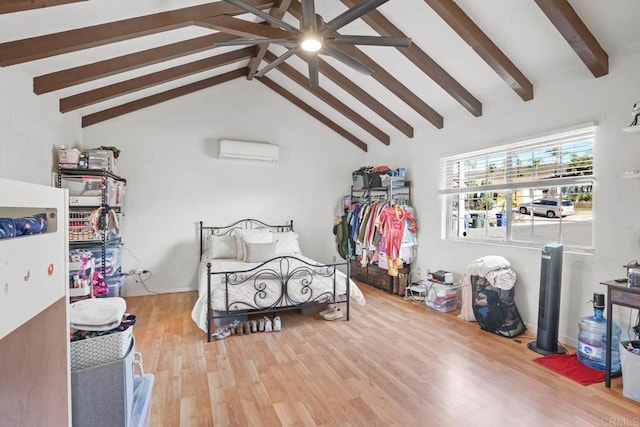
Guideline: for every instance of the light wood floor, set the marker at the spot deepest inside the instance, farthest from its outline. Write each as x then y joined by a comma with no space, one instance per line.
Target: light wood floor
394,363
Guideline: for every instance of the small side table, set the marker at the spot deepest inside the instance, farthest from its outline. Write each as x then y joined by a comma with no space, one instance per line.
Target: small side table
618,294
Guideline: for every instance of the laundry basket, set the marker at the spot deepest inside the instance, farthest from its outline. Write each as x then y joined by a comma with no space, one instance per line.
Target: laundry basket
630,369
98,350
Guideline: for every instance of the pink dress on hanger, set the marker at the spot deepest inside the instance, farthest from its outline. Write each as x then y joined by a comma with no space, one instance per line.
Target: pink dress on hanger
391,225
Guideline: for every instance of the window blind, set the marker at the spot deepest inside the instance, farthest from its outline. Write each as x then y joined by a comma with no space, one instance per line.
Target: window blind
563,158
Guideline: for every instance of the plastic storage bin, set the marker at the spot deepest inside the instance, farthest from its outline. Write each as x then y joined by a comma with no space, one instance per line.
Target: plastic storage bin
630,370
68,157
141,411
86,190
441,297
115,284
101,159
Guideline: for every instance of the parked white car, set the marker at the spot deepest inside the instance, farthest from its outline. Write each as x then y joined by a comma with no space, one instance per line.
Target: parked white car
550,208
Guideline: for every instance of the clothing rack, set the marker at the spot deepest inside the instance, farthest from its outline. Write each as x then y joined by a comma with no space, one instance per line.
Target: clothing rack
365,239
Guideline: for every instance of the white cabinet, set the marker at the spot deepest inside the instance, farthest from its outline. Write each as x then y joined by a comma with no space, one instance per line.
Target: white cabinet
33,268
34,330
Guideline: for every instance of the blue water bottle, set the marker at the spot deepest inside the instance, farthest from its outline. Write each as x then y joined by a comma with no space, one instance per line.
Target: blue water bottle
592,339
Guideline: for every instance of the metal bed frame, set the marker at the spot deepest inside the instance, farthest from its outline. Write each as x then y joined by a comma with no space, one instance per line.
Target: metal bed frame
287,271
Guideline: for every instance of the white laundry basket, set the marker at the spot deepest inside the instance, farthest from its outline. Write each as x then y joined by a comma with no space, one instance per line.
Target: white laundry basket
96,351
630,370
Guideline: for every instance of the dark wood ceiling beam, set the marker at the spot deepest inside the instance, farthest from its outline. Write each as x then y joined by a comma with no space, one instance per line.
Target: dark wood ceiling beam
330,100
424,62
86,73
462,24
104,93
574,31
276,12
39,47
158,98
384,78
357,92
242,28
313,112
22,5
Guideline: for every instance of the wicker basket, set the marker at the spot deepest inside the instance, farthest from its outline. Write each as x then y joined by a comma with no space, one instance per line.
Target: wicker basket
96,351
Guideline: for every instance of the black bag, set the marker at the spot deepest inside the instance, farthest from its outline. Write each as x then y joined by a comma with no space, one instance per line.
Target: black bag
495,309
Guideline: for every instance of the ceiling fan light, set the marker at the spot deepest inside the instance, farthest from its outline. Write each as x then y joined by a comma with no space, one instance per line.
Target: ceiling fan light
311,43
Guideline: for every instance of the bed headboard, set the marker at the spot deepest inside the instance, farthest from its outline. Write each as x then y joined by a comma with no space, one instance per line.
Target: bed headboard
243,224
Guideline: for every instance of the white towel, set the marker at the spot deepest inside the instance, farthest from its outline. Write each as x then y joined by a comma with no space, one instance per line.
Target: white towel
504,278
97,314
467,301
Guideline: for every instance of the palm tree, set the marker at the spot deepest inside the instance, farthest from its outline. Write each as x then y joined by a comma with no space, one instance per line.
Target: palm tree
580,165
556,152
536,166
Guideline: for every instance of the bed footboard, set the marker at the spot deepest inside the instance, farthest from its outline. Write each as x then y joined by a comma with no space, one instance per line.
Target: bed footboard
281,283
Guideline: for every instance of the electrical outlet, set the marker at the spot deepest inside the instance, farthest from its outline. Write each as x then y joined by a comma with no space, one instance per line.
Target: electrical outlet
419,271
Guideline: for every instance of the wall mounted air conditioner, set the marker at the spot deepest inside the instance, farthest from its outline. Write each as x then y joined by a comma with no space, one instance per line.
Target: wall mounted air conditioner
243,150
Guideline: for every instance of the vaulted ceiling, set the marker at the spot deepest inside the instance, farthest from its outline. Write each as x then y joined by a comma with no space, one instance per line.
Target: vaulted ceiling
108,58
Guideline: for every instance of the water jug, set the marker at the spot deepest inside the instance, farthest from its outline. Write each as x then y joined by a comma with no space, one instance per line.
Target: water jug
592,339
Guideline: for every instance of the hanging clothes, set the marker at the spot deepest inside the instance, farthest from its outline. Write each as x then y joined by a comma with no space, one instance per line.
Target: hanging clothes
341,231
392,223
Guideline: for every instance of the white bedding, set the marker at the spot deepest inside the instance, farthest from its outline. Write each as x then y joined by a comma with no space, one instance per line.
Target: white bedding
247,292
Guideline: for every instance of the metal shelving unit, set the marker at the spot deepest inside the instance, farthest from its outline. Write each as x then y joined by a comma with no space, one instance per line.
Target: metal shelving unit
397,191
81,231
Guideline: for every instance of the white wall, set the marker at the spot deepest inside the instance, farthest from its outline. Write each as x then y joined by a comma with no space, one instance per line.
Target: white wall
175,180
30,128
566,98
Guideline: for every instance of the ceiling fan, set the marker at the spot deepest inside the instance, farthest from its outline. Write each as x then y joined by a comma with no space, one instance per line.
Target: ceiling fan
316,37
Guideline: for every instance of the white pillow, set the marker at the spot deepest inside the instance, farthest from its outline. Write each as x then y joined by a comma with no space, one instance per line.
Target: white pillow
287,242
220,247
259,252
251,236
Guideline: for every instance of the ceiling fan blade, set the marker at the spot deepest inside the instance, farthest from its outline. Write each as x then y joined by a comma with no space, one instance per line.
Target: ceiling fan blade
242,42
314,79
309,16
346,59
241,28
351,15
275,21
279,60
372,40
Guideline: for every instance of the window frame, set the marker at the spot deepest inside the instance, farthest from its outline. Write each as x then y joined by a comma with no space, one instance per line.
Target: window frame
454,191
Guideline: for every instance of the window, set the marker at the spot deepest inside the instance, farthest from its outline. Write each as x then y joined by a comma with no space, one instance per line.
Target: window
527,193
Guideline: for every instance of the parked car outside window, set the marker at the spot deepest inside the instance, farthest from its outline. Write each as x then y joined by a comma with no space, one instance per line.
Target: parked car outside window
550,208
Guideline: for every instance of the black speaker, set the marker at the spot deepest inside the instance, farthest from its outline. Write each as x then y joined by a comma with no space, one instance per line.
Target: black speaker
549,301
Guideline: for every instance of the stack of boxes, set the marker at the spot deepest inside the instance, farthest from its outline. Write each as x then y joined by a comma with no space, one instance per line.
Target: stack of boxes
97,159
